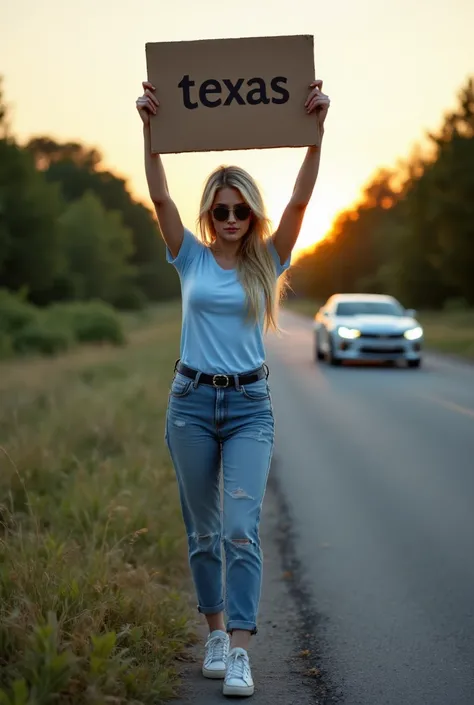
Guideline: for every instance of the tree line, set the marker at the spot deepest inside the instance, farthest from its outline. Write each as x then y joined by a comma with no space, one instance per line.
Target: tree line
411,234
70,230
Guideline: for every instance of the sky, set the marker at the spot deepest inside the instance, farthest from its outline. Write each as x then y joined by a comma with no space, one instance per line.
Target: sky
73,71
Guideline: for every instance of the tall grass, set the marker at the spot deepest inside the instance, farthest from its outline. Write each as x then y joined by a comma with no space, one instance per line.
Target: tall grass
93,568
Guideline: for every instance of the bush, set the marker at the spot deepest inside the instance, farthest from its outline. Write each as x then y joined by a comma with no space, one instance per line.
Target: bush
37,337
6,346
93,322
15,313
24,328
130,299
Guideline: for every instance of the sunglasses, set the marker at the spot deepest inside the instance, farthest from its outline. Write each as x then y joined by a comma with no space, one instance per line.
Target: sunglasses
241,212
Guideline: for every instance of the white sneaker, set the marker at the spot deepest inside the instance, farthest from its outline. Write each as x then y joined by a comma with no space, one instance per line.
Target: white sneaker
238,676
216,652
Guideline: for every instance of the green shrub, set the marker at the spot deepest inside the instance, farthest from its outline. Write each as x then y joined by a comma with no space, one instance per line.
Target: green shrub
6,345
130,299
25,329
38,338
15,313
91,322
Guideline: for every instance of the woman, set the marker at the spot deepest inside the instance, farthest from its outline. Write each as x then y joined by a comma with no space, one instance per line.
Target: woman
219,409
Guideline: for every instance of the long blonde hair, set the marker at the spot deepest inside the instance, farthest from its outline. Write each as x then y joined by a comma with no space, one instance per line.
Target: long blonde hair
255,265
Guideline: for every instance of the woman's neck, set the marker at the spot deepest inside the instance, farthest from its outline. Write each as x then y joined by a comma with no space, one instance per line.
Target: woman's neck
227,251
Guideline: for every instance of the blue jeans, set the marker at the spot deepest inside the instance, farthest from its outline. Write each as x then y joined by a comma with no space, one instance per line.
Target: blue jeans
208,428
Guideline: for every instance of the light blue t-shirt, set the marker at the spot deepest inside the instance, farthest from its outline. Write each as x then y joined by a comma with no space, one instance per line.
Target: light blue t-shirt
216,335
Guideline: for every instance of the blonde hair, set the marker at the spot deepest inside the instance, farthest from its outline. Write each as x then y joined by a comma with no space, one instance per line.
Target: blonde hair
255,265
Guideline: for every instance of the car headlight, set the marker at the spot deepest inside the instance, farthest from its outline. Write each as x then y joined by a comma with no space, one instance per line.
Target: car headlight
348,333
414,333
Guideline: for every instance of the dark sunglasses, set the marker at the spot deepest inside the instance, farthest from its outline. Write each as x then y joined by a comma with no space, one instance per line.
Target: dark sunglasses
241,212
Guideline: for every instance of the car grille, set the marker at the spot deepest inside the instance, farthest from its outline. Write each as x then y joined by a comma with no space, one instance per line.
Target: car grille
377,351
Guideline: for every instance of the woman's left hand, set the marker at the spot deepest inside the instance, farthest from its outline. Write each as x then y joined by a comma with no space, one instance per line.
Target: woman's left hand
318,101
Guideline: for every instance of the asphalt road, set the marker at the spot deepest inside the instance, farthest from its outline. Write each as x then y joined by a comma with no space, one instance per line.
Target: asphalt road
368,536
376,466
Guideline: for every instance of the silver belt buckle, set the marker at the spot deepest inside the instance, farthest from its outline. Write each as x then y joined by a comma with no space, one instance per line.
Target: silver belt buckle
220,386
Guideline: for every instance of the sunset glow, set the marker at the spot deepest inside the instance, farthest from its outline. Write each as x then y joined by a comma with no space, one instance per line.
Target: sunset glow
385,93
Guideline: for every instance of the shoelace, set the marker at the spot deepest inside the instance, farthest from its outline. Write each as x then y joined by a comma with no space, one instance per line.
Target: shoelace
238,667
216,648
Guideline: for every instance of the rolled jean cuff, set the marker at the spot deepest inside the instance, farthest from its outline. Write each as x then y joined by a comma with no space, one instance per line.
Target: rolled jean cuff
212,610
246,626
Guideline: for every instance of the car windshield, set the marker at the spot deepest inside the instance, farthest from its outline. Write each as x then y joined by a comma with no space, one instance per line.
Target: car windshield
369,308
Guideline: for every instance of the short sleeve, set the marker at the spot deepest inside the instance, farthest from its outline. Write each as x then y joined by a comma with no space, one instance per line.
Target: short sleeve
190,248
280,268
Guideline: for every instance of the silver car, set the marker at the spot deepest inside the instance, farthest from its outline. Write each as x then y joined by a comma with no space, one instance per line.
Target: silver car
367,327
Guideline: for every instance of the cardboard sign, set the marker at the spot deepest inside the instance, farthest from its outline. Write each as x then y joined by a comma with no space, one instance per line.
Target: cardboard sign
225,94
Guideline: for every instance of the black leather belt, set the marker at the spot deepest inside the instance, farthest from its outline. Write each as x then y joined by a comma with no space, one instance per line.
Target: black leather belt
222,381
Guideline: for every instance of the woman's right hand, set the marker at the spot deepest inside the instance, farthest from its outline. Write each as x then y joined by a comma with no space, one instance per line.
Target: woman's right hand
147,104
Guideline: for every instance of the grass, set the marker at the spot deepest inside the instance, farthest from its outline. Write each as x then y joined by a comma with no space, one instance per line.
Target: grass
94,601
449,332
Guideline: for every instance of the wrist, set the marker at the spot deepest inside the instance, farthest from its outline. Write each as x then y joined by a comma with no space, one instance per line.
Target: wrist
147,137
317,147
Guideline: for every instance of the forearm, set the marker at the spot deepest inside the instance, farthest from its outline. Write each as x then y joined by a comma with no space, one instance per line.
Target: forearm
306,178
154,170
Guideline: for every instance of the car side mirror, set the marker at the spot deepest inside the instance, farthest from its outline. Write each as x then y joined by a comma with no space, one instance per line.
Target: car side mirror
410,312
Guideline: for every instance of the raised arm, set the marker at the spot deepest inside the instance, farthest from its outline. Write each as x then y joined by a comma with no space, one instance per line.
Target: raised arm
168,216
286,235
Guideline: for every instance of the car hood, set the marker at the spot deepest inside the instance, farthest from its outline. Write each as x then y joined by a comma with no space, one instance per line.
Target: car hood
377,323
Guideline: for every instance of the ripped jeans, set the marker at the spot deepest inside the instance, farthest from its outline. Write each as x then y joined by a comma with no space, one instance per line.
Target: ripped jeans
208,428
